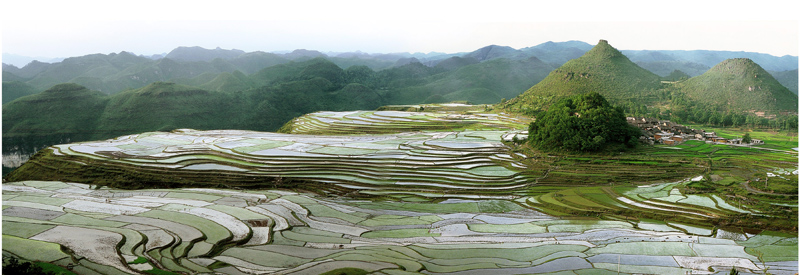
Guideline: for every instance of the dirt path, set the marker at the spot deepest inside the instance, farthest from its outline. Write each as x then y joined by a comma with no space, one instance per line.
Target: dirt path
756,191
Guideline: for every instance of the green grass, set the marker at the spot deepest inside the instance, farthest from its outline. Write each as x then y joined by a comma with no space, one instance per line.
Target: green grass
139,260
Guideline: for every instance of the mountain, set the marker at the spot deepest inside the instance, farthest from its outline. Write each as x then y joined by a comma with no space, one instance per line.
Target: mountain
29,71
490,81
787,78
664,68
201,54
197,66
603,69
455,62
711,58
252,62
558,53
16,89
166,106
303,53
676,75
739,84
405,61
60,114
89,69
21,61
492,52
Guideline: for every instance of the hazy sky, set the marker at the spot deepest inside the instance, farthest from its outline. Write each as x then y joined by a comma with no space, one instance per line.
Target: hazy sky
74,28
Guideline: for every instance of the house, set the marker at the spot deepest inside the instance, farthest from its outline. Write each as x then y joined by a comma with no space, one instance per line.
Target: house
719,139
662,134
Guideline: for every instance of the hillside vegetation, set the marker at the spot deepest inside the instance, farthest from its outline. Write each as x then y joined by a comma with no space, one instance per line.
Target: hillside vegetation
739,84
603,69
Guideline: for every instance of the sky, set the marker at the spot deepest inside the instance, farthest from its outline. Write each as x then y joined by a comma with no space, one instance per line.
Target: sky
80,27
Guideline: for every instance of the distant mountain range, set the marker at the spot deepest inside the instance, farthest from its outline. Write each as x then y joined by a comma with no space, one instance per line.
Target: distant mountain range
116,72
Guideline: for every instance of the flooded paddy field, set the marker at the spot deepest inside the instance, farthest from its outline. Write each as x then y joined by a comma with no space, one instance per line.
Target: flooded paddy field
191,230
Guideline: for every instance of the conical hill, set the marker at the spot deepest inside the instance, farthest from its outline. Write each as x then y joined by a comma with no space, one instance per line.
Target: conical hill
603,69
739,84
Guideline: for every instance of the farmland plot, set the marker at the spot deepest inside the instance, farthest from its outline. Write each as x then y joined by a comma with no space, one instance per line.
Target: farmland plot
327,234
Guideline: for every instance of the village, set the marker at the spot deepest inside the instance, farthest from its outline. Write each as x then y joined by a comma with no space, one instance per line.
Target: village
656,131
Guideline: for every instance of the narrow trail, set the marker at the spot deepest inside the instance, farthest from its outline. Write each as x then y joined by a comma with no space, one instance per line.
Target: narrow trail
756,191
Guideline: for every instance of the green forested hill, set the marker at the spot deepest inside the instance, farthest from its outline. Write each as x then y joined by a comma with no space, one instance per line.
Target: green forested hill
166,106
741,85
487,82
603,69
62,113
16,89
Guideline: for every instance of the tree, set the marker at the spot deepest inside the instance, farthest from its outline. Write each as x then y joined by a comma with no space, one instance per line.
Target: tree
585,122
746,138
15,267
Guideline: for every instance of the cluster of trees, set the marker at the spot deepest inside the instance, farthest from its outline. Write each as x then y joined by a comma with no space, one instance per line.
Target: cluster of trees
584,122
685,111
12,265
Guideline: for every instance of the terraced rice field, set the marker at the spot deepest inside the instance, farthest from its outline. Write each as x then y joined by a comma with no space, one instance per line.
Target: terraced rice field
394,192
284,232
381,122
417,160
